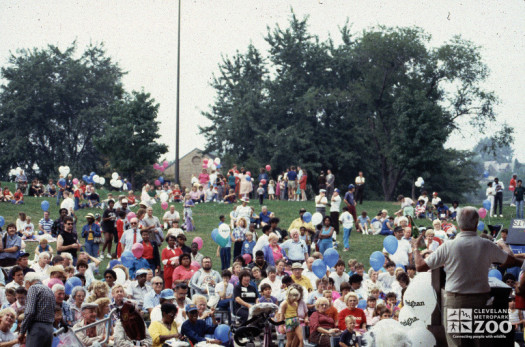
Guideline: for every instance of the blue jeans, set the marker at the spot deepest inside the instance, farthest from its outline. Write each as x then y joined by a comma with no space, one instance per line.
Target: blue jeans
226,255
325,244
519,209
346,237
92,248
59,196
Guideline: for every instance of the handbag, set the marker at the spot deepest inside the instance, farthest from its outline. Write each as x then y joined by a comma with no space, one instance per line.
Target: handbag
98,240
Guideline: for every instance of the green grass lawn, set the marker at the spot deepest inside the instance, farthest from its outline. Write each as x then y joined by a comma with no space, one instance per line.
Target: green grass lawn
206,217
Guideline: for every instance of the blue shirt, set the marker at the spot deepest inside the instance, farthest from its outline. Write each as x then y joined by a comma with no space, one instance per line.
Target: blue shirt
295,250
364,220
265,217
384,228
151,300
11,241
247,247
95,228
138,264
350,198
292,175
195,332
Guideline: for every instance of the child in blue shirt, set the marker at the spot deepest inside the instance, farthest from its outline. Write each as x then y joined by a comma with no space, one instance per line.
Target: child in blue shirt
248,244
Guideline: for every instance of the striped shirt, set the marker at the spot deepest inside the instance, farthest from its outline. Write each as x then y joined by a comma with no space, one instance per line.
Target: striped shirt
40,306
46,224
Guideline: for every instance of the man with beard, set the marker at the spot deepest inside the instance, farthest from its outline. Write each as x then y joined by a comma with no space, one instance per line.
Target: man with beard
205,278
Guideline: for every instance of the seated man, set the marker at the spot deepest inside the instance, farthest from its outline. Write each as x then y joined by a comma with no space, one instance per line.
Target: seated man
139,289
93,198
195,329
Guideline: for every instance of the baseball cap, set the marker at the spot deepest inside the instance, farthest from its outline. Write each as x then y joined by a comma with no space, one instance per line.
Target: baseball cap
124,201
190,308
350,186
336,190
167,294
141,272
23,254
322,190
88,305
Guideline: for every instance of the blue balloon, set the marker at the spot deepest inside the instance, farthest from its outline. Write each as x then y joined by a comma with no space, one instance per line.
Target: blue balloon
486,204
44,205
74,282
161,179
2,221
218,166
495,273
127,259
85,178
401,266
92,174
307,217
222,241
486,174
248,178
319,268
113,262
377,260
481,226
222,333
362,304
331,257
390,244
62,182
214,234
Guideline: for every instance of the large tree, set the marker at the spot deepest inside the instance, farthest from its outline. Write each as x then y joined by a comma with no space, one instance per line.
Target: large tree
52,106
383,101
129,139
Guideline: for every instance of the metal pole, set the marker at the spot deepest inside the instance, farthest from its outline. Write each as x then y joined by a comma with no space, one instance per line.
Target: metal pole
177,181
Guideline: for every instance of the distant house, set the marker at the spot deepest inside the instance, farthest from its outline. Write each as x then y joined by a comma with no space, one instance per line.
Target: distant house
190,164
493,167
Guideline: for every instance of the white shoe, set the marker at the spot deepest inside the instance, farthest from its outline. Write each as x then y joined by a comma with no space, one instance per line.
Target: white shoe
501,216
108,256
101,257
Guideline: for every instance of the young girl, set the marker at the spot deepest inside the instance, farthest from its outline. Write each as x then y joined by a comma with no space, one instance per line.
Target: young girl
188,215
248,244
20,223
43,247
28,232
271,190
370,311
288,310
238,237
364,222
176,194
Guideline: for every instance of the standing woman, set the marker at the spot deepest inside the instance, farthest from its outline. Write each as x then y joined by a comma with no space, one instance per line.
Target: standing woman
302,185
238,237
169,255
325,237
246,186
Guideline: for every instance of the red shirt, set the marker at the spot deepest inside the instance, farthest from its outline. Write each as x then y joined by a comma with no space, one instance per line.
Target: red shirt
19,196
512,184
359,315
76,194
148,250
131,199
181,273
176,194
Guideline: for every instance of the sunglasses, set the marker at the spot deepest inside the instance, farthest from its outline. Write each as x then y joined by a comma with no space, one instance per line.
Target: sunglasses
157,284
68,223
133,223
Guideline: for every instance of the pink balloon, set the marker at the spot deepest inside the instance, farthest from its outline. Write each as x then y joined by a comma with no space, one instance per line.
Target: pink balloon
164,205
263,181
482,213
54,281
249,173
75,181
157,183
196,264
156,166
268,168
137,249
130,216
205,161
198,241
165,164
247,258
204,166
161,169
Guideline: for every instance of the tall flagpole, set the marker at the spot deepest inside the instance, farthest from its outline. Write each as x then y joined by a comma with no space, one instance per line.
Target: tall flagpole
177,181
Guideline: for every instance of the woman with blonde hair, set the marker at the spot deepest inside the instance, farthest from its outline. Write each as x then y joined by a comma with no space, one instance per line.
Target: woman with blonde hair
99,290
202,308
438,231
7,318
273,252
429,240
103,307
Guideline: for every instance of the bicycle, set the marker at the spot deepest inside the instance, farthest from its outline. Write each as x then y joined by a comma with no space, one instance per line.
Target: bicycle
259,322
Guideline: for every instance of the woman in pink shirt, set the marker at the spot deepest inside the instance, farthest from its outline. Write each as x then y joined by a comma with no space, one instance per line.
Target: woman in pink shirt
184,271
204,177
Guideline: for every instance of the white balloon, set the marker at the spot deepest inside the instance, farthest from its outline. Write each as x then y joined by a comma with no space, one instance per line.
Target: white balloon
224,230
317,218
420,179
101,181
114,175
421,297
210,163
121,276
417,184
96,178
420,336
118,183
407,317
164,197
217,161
387,332
65,170
213,167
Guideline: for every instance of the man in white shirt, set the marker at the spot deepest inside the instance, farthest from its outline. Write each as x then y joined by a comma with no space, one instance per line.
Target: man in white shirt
308,273
262,240
387,278
403,254
339,276
359,188
320,202
404,201
170,217
68,203
131,236
347,220
274,282
138,289
334,209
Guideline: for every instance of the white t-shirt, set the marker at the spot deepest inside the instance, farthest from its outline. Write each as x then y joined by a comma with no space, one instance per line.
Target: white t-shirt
244,212
347,219
220,287
320,201
68,204
402,252
424,198
336,204
407,202
436,200
339,279
386,281
175,215
261,242
359,180
490,192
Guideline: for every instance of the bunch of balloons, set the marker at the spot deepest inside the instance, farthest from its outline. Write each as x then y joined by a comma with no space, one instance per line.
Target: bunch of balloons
162,167
420,182
115,182
211,164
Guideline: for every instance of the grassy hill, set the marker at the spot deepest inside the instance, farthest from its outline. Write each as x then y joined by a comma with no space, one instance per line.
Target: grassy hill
206,217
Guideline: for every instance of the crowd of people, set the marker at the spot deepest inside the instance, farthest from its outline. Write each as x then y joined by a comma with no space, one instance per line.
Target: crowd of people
170,289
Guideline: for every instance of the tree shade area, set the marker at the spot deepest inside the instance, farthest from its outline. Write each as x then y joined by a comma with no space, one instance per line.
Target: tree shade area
382,101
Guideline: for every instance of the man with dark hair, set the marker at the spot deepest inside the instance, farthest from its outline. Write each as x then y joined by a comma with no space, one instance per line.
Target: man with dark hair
283,234
339,276
259,263
205,278
67,240
355,282
17,274
11,244
58,224
498,199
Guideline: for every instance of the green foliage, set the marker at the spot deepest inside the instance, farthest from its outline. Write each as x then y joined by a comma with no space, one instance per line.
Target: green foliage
490,149
382,102
128,140
53,105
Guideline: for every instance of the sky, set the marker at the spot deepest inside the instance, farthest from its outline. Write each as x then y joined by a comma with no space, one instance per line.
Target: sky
142,37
